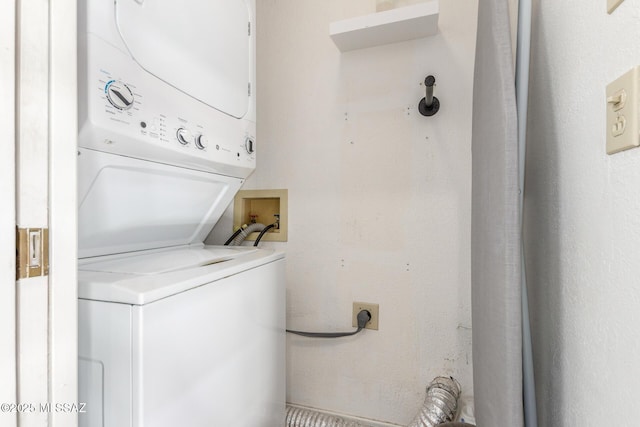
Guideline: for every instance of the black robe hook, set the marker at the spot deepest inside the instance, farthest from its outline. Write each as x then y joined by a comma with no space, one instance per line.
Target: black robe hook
429,105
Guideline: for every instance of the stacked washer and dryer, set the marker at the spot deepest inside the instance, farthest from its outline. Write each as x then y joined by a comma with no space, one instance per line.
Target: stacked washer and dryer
172,332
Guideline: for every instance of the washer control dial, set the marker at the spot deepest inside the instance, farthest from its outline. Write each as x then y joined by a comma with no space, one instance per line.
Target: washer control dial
184,136
250,145
119,95
201,142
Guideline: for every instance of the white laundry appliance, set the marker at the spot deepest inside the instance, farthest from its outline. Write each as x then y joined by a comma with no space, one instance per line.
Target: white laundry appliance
172,332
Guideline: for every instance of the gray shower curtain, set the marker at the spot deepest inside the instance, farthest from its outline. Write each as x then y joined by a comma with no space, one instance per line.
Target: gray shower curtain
495,226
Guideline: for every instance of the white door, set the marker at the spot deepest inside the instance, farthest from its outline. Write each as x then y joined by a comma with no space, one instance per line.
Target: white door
31,145
63,224
38,312
7,213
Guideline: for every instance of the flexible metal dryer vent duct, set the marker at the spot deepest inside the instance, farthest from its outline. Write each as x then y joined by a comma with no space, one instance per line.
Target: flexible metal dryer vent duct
440,406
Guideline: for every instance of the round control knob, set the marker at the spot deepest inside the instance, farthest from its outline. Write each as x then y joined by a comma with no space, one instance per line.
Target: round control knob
184,136
119,95
201,142
250,145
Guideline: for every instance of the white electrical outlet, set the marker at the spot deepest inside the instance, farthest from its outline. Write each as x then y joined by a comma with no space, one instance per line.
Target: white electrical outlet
622,112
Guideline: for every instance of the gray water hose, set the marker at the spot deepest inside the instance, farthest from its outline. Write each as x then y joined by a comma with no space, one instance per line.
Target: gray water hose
440,406
251,228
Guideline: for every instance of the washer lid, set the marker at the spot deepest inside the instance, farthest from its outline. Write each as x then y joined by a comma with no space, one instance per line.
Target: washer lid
202,48
141,279
151,262
127,204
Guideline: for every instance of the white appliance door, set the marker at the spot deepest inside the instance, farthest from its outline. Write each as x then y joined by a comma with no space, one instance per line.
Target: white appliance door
213,356
200,47
127,204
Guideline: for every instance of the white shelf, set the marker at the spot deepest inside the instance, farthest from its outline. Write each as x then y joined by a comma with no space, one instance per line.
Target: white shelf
391,26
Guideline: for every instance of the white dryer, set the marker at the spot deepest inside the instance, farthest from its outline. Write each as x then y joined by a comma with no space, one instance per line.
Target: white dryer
171,332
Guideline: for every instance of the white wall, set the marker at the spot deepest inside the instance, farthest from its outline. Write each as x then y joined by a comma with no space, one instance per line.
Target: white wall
379,202
582,222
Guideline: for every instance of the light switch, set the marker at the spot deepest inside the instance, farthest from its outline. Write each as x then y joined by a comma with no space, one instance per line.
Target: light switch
622,112
612,5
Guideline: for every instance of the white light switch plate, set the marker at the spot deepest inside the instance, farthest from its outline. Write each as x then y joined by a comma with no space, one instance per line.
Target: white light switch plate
612,5
622,112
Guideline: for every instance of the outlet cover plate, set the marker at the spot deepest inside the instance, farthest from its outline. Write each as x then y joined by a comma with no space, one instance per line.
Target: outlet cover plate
622,117
612,5
374,309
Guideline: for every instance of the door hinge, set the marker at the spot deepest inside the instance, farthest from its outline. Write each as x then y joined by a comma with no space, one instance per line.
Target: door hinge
249,89
249,28
32,252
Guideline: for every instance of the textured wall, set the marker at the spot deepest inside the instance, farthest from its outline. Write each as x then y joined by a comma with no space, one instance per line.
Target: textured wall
582,222
379,202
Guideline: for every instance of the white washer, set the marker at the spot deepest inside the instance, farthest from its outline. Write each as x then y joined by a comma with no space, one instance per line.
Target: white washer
183,337
172,332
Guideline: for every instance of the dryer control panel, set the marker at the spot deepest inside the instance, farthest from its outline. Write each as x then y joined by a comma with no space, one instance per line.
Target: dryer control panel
129,112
